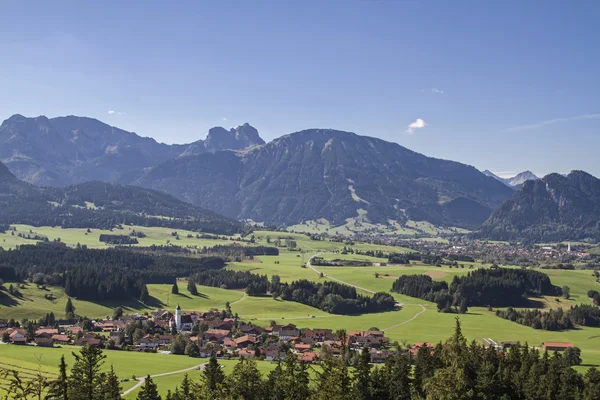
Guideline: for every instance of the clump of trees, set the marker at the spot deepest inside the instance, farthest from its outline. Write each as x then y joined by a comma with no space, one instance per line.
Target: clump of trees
118,239
499,287
332,297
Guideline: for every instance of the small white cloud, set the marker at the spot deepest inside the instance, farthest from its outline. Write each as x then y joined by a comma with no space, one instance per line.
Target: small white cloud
418,124
223,119
438,91
113,112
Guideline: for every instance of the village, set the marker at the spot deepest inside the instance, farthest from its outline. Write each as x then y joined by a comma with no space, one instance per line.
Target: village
202,334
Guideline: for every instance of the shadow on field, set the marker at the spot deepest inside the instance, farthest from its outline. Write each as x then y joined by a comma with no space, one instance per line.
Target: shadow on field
7,301
152,302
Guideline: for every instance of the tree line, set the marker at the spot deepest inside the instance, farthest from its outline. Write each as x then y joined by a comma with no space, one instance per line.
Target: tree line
96,275
554,320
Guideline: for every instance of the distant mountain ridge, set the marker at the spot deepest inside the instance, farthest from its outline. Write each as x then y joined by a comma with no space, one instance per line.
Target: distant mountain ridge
113,204
311,174
553,208
66,150
515,181
320,173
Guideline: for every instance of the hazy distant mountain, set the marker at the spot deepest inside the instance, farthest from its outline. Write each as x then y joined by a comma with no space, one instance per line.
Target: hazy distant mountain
22,202
66,150
553,208
330,174
519,179
515,181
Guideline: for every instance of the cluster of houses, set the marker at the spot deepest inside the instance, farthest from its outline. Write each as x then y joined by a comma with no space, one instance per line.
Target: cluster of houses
214,333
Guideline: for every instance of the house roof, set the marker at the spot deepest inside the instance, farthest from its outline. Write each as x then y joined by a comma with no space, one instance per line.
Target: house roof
244,339
558,344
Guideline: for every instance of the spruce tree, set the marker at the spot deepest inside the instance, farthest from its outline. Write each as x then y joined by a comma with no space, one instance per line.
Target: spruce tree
245,382
69,308
149,390
362,375
212,375
112,387
191,286
175,288
144,295
85,382
59,389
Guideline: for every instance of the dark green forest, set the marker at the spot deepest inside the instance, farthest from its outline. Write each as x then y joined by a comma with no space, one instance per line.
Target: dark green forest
501,287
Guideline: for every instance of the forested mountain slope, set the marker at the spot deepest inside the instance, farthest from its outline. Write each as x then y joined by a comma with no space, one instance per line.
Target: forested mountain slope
331,174
101,205
554,208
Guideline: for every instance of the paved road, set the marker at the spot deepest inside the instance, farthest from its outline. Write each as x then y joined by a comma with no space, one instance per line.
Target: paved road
141,380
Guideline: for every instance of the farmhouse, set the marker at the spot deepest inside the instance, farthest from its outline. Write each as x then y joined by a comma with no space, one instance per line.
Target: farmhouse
557,346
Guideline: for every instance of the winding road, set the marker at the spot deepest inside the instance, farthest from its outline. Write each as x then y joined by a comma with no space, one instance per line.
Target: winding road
142,380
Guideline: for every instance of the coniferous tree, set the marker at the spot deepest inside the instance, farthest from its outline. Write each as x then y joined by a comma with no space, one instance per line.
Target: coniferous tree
85,382
175,288
245,382
212,376
112,389
592,384
144,295
362,375
69,308
274,385
149,390
191,287
59,389
334,381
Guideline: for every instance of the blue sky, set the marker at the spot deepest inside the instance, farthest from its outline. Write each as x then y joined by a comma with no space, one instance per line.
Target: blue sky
506,85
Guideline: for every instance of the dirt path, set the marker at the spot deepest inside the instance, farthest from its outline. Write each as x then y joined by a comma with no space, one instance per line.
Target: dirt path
142,380
410,320
237,301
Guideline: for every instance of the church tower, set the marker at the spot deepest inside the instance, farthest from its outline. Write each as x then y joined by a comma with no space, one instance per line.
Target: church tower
178,318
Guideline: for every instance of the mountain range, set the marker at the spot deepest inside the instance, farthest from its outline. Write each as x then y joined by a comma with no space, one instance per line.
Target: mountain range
101,205
315,173
68,150
514,182
553,208
319,173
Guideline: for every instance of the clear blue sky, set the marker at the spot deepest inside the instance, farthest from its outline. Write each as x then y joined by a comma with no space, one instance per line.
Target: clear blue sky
502,85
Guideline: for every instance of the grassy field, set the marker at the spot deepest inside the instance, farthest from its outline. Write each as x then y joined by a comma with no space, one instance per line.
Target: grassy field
32,303
73,236
417,320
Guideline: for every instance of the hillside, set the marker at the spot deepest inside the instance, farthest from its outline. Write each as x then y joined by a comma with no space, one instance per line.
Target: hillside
69,150
101,205
554,208
334,175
